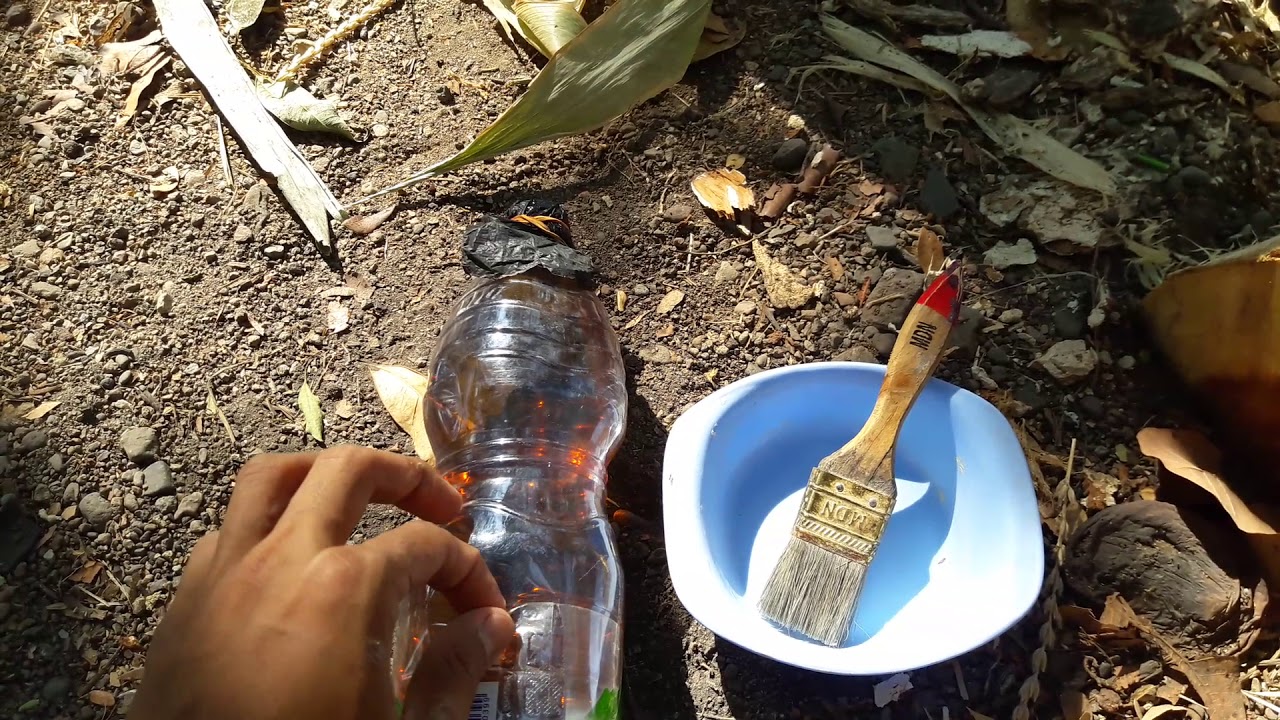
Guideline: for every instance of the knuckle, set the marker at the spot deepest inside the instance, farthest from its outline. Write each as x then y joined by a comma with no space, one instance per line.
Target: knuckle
344,456
339,568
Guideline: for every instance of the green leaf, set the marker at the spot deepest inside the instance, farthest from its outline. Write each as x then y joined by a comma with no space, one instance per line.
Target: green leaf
632,52
606,708
311,412
294,106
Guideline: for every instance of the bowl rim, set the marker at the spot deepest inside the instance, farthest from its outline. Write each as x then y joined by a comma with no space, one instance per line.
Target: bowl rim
682,521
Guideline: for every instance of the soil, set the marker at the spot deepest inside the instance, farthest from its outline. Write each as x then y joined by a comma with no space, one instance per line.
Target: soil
89,249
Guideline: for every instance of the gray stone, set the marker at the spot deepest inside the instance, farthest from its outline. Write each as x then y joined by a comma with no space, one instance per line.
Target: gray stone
28,249
726,272
17,15
790,155
130,502
32,440
56,462
1011,316
242,234
1126,362
96,510
746,307
883,343
897,159
1069,322
891,300
1068,361
857,353
55,688
158,480
1028,394
164,303
140,444
1004,255
965,333
658,354
938,197
46,290
70,493
1006,85
677,213
189,506
166,504
882,238
274,252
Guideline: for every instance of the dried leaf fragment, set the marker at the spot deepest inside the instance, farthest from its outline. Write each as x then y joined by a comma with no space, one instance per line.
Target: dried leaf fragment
119,57
670,301
312,414
87,572
402,392
139,86
365,224
164,183
1268,113
717,36
928,251
242,14
784,288
42,409
997,43
102,698
1189,454
339,317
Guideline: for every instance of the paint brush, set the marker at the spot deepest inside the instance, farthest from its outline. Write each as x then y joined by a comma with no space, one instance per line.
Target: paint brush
815,587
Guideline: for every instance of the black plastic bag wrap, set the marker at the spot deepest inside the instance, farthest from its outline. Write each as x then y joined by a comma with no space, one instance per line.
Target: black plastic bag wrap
534,234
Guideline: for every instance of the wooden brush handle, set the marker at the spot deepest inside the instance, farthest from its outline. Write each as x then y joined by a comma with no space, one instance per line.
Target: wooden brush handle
916,354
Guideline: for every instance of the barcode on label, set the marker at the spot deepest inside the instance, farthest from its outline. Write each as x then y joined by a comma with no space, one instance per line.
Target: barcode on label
484,705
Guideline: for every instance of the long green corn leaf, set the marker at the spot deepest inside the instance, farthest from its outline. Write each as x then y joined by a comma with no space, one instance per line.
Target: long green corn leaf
632,52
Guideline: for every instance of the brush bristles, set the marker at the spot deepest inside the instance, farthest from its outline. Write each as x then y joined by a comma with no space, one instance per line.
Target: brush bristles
813,591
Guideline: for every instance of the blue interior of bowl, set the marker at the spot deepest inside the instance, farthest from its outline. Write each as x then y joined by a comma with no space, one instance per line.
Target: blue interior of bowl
768,441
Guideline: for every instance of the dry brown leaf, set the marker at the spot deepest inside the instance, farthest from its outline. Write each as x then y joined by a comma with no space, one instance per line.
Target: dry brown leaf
402,392
1268,113
312,413
344,409
339,317
42,409
365,224
670,301
724,192
718,35
118,57
1189,454
140,86
164,183
1215,679
784,288
102,698
835,267
928,251
87,572
1159,711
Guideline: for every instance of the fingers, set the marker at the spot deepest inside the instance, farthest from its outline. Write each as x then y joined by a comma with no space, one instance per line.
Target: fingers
345,479
263,489
453,665
418,554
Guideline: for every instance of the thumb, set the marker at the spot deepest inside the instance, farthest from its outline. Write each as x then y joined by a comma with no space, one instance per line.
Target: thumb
451,667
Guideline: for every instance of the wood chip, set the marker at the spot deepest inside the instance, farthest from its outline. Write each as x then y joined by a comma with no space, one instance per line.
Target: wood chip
670,301
42,409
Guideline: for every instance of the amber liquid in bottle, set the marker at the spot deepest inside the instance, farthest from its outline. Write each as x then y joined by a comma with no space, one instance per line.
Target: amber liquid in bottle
527,405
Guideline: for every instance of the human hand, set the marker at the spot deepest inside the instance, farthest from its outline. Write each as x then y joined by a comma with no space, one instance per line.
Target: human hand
277,617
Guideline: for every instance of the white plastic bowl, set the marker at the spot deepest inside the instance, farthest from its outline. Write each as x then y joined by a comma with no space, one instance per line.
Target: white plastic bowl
961,558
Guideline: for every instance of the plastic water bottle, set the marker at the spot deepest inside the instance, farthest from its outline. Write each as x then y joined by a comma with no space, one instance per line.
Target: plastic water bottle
527,406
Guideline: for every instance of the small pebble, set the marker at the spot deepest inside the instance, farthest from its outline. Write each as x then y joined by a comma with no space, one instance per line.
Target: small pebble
96,510
189,506
790,155
140,444
274,252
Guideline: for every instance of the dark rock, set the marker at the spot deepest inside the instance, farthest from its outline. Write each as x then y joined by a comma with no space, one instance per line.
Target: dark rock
1175,569
677,213
938,197
140,444
18,15
897,159
883,343
446,96
891,300
1070,323
1006,85
1092,405
1028,394
964,334
998,355
158,480
72,149
790,155
96,510
1189,179
1262,221
883,238
55,688
19,531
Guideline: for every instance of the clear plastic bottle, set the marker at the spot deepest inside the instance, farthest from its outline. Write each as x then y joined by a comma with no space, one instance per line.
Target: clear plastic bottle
526,408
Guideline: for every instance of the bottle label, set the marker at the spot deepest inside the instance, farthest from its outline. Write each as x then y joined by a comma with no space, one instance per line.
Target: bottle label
484,705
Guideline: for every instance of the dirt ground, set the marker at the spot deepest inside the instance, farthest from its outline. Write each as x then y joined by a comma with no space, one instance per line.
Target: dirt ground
92,259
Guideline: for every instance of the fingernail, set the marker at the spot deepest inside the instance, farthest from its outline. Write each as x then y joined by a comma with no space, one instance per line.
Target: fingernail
495,632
